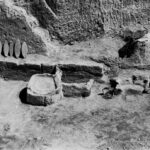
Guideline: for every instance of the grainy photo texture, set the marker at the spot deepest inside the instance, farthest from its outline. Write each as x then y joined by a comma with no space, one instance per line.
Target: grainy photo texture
74,74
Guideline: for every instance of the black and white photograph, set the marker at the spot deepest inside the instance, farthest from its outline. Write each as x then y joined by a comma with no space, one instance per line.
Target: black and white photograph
74,74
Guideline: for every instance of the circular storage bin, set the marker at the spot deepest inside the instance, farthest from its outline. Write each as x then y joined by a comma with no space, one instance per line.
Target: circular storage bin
43,88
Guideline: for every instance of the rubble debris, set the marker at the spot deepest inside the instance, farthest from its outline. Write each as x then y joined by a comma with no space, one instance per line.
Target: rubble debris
146,89
44,89
104,90
24,50
109,92
113,84
134,78
77,89
17,48
139,79
6,48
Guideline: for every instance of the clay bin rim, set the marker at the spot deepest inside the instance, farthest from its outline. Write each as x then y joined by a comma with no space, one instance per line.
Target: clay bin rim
37,86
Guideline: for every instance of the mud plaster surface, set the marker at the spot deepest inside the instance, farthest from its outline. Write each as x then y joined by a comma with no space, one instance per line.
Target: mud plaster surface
42,84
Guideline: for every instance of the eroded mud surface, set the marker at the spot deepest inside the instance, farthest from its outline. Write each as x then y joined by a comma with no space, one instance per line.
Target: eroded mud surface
92,123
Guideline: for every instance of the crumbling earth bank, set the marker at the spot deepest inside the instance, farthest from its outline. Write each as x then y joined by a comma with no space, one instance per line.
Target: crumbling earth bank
68,21
16,24
80,20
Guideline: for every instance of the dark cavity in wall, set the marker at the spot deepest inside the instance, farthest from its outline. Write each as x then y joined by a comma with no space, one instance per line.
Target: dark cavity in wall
128,50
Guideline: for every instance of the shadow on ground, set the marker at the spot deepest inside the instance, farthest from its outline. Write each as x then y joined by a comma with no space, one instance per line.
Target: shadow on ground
23,96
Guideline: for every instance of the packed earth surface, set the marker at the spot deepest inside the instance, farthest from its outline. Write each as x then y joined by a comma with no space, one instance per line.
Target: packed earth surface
90,42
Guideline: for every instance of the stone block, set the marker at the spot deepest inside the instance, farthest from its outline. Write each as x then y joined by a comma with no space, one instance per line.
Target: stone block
77,89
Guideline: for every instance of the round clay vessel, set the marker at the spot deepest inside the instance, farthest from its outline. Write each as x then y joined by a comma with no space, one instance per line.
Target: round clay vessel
6,48
0,47
17,48
24,50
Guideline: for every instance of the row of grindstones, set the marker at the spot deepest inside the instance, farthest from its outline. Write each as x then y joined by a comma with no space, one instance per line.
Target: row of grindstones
16,49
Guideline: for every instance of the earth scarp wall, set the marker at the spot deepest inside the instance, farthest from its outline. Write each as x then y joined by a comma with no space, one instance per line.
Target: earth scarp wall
69,20
14,25
76,20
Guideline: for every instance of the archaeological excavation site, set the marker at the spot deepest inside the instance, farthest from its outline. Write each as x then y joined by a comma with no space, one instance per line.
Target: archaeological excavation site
74,74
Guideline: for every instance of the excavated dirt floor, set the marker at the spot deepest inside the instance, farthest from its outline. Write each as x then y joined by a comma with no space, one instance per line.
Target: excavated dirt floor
92,123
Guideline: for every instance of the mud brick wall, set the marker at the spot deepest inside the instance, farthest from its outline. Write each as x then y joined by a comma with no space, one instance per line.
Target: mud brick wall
71,72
